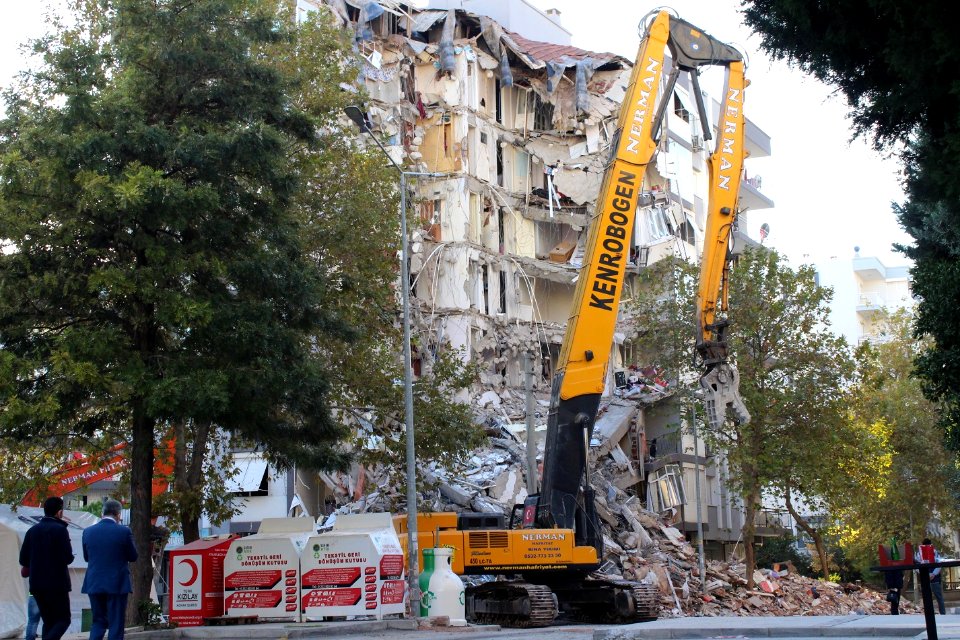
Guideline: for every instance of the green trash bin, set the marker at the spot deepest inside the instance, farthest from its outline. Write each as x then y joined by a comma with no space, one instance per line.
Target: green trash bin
86,620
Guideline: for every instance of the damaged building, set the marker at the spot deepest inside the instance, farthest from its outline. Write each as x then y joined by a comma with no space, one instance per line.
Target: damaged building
520,123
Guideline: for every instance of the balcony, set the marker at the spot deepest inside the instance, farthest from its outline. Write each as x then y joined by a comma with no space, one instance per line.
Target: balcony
870,269
756,140
870,303
750,197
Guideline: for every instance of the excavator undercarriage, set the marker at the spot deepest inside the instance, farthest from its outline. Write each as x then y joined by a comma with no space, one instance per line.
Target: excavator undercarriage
595,599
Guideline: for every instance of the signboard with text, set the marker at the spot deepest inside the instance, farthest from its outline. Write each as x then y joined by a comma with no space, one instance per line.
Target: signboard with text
261,577
355,569
196,581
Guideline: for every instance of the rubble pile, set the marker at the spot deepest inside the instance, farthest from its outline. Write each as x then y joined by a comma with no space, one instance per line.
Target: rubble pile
639,544
786,595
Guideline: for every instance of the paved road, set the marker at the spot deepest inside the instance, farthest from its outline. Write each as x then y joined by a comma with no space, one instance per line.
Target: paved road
730,628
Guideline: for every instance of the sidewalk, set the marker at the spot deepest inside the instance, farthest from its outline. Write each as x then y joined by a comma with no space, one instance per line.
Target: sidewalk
266,630
852,626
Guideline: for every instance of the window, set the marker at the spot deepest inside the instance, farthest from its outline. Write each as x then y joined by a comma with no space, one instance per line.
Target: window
542,114
679,109
486,289
666,488
686,233
251,476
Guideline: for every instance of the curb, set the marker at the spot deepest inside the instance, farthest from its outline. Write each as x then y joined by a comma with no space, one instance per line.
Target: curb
286,632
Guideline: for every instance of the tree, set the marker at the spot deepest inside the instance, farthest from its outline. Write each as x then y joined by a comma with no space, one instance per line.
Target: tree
792,370
792,374
894,63
914,483
156,270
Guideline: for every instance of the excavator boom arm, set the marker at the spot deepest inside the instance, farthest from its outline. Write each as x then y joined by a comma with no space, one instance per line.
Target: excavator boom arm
721,381
565,498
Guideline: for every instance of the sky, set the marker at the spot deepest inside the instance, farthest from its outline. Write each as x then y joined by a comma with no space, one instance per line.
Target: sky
831,194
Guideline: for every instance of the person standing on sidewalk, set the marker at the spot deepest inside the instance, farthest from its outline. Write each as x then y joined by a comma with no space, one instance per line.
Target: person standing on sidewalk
44,556
894,581
108,549
33,618
936,586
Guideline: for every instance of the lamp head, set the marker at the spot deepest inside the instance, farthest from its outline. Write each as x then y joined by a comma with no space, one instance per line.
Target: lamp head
357,117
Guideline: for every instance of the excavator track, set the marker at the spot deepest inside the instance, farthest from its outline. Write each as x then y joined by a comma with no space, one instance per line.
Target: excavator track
646,598
511,604
608,600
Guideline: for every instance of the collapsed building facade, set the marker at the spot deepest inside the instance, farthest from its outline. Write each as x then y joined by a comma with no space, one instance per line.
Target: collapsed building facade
518,124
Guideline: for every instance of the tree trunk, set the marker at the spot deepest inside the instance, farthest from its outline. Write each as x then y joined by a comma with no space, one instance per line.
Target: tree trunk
749,532
141,507
822,554
812,532
189,478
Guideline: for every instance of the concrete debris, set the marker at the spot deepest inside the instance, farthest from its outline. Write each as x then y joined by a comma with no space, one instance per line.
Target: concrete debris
647,384
640,544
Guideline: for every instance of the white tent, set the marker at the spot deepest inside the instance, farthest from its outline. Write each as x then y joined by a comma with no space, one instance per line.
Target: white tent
13,592
13,588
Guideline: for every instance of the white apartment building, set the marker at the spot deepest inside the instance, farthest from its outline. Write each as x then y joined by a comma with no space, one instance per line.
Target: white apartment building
862,287
491,94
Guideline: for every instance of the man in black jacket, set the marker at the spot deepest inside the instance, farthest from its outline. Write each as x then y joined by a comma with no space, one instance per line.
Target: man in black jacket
45,553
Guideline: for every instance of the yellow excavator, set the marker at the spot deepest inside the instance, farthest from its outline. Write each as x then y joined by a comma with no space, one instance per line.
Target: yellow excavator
548,554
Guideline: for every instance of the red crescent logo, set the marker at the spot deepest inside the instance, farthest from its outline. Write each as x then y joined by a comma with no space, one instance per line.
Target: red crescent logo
193,568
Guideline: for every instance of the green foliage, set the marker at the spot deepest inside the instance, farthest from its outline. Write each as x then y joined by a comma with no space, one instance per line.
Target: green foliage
157,267
661,314
894,63
444,430
792,371
150,613
915,482
784,549
94,508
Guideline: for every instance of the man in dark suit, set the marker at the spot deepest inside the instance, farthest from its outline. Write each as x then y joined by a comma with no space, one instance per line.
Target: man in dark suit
108,548
45,553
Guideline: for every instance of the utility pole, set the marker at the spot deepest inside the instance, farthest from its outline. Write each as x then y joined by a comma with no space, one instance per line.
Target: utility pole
696,469
531,425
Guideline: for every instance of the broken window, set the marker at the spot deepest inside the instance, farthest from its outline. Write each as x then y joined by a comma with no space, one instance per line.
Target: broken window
655,223
408,84
500,231
549,355
542,114
679,109
430,218
447,124
521,119
486,289
387,25
499,163
665,488
686,233
503,292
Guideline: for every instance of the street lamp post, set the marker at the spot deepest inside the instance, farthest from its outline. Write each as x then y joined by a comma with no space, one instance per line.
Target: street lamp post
357,116
696,469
